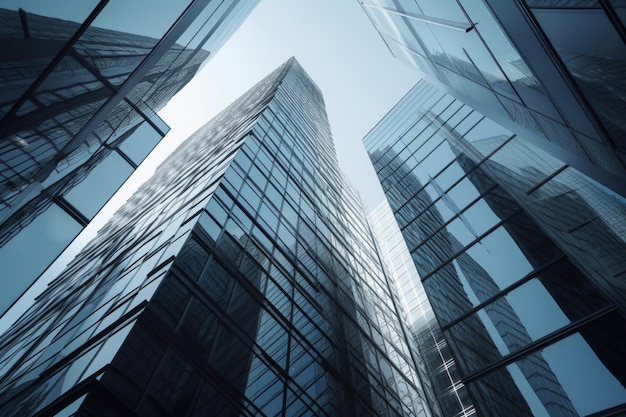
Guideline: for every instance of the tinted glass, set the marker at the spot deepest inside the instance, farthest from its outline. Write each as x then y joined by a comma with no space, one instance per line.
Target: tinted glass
102,182
26,256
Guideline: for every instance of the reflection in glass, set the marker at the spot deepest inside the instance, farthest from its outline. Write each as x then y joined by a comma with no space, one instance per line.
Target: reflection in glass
141,141
90,195
35,246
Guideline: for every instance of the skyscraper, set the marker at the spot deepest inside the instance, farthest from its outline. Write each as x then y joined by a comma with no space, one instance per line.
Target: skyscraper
80,83
521,257
550,71
241,279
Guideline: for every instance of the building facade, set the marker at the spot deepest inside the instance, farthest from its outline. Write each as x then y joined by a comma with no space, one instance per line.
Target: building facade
442,380
80,84
521,257
241,279
527,65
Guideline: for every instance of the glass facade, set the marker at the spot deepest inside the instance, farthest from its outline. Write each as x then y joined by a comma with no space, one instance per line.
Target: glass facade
80,82
442,381
527,65
521,257
241,279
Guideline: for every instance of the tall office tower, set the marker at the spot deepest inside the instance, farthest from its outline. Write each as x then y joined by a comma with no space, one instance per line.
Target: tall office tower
551,71
520,255
241,279
80,82
437,367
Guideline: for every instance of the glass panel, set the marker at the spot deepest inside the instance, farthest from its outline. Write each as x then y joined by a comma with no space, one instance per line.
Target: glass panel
192,258
540,317
71,409
461,195
140,143
449,176
70,86
450,298
620,9
510,322
499,45
596,57
583,389
49,233
102,182
434,162
117,34
484,130
48,25
479,217
194,35
109,349
458,232
156,18
499,257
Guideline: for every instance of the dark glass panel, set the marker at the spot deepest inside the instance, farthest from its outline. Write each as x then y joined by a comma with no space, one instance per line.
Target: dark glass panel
192,258
34,41
597,61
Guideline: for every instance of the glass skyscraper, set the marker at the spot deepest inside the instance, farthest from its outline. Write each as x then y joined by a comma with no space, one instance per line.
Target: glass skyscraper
80,82
521,257
551,71
241,279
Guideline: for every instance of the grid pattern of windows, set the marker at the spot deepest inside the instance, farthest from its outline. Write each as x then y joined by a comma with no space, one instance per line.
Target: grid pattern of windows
248,269
506,240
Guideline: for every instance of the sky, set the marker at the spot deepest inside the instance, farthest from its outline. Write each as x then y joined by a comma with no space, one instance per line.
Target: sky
339,48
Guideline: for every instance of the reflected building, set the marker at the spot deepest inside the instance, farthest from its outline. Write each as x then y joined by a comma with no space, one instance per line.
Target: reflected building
527,65
80,85
241,279
521,257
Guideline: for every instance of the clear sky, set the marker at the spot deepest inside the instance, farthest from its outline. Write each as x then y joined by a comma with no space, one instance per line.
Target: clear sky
339,48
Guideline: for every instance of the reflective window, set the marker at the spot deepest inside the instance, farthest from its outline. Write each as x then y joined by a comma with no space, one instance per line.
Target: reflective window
192,258
449,176
140,143
48,25
539,317
102,182
583,389
69,82
499,45
27,255
120,16
596,61
499,256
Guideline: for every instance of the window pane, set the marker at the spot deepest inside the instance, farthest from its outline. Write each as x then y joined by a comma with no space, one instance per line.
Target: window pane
49,233
583,389
50,24
102,182
140,143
